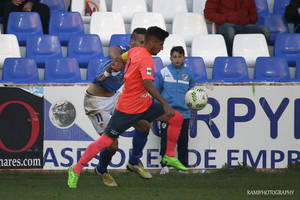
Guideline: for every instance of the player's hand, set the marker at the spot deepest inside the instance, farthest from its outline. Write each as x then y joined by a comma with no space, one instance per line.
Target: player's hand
101,78
17,2
169,111
116,65
28,7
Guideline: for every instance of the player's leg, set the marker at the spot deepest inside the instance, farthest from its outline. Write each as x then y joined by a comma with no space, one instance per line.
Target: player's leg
139,141
182,143
163,145
118,123
98,110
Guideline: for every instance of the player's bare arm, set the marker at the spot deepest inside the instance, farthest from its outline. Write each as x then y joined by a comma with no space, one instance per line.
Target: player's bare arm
169,112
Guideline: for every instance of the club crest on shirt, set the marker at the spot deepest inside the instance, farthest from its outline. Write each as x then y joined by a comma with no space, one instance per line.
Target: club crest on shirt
149,71
184,76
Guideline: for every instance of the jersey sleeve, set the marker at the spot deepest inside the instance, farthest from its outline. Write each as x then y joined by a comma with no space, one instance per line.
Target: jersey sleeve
146,68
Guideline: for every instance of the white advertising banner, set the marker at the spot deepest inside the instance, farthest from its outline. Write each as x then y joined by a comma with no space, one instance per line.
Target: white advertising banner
242,124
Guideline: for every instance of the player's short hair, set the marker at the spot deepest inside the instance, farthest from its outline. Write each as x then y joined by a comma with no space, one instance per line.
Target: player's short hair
178,49
137,31
155,32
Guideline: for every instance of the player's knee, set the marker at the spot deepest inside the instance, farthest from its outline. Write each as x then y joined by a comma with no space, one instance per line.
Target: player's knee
142,126
114,146
176,119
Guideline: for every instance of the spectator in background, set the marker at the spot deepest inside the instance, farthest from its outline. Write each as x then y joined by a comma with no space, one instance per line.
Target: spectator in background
292,14
172,83
234,17
26,6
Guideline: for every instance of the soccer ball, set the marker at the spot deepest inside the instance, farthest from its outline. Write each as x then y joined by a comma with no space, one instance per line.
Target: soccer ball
196,98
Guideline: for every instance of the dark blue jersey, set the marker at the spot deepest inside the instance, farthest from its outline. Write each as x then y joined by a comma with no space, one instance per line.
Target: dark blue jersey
115,80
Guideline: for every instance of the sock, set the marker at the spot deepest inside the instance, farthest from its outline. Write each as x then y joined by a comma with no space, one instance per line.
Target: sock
105,158
139,141
91,151
173,132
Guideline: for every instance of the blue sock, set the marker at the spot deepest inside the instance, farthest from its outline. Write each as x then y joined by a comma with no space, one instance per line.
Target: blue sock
105,158
139,141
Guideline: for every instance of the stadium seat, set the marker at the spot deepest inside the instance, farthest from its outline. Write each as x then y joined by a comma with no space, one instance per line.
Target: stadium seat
9,47
147,19
66,24
95,67
209,47
24,24
279,6
79,6
128,9
288,46
84,48
230,69
297,73
271,69
276,23
158,65
197,66
189,25
119,40
43,47
169,8
170,42
198,6
105,24
62,70
55,5
250,46
20,70
262,7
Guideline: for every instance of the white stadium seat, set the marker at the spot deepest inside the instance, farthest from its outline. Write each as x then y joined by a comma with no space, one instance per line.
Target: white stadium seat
128,9
9,47
79,6
105,24
250,46
169,8
198,6
147,19
171,41
209,47
189,25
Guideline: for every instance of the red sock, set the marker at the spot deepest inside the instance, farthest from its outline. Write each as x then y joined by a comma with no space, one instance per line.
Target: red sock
91,151
173,132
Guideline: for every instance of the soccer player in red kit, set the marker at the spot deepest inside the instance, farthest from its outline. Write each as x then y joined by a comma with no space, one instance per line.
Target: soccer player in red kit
135,102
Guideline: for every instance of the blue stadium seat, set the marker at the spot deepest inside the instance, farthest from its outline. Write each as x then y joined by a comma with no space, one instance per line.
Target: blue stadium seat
95,65
66,24
158,65
43,47
23,25
230,69
55,5
271,69
20,70
62,70
279,6
262,7
119,40
197,66
84,48
287,46
276,23
297,73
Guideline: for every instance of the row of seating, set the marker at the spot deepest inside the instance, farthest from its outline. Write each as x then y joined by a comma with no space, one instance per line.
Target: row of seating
87,46
225,69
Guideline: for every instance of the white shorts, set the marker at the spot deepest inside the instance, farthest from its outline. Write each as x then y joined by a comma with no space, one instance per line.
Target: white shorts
100,109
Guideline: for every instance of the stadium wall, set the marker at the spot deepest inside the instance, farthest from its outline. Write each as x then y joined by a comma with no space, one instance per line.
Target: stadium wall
254,124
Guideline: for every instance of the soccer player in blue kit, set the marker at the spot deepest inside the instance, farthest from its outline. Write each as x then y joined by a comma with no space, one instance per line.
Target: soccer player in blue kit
99,103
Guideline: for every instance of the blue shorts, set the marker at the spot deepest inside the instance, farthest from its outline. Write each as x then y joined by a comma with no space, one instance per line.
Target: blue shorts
120,122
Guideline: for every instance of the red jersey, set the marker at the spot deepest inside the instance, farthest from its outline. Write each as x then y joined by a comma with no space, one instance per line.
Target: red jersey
134,97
